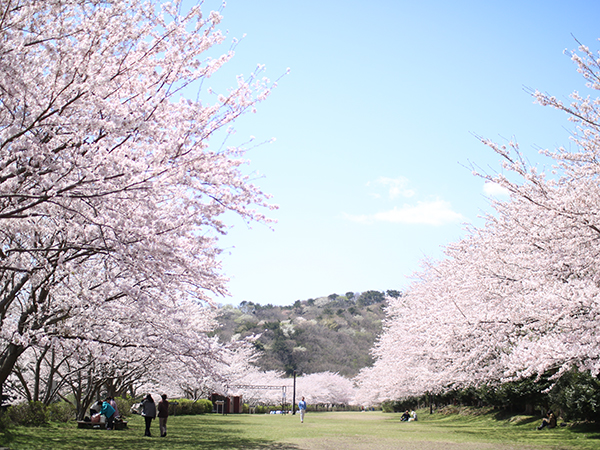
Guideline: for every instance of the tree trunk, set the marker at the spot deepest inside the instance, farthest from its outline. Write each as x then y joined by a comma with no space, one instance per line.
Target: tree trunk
8,361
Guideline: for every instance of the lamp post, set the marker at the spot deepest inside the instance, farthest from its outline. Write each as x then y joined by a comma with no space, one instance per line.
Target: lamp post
294,396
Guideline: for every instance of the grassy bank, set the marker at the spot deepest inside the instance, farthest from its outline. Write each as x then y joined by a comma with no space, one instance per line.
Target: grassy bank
345,430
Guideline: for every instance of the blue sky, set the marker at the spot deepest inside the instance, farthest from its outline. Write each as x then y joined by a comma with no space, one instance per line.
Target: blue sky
375,126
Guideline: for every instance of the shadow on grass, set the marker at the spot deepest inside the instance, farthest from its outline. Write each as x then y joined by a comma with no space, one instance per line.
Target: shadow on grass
590,430
242,443
213,435
220,443
219,435
509,416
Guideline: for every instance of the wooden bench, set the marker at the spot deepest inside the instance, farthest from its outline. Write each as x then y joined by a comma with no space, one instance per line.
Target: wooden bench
100,426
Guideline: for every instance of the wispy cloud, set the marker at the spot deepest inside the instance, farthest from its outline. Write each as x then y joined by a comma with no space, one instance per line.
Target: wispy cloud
396,187
495,190
437,212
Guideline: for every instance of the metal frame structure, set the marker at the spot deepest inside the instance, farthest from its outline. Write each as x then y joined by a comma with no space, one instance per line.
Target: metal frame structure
266,387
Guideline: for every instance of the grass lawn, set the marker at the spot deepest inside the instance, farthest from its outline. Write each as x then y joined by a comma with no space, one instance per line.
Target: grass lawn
320,431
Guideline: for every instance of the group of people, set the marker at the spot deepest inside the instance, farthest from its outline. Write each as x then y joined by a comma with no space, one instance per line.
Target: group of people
408,416
149,411
107,408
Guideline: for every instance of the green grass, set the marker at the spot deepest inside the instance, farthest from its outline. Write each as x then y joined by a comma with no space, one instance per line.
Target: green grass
338,430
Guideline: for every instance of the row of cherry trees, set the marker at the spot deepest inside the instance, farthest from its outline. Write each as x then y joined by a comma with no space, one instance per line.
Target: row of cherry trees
110,196
519,296
266,388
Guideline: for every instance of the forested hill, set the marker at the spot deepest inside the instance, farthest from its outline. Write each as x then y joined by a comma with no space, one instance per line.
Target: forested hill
333,333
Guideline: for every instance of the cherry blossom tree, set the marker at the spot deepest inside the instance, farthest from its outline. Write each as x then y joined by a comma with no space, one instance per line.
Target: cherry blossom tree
325,388
267,387
555,215
110,196
162,349
517,297
261,387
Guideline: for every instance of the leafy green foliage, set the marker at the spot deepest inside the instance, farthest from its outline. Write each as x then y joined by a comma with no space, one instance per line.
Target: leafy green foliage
333,333
61,411
523,395
186,407
370,297
28,414
403,405
578,396
574,396
124,405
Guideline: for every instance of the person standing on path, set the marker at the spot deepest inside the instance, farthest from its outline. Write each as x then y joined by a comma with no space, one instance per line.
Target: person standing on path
149,412
302,409
163,413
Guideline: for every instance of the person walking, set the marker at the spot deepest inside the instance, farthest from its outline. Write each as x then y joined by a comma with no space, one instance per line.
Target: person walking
148,412
163,413
302,409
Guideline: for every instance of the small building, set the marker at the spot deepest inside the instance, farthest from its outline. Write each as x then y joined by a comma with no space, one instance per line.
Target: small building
227,404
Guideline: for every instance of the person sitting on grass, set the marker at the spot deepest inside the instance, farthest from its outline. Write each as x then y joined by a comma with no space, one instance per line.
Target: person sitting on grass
405,416
548,421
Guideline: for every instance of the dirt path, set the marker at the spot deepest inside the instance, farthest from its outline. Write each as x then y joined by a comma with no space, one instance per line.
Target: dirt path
363,443
356,431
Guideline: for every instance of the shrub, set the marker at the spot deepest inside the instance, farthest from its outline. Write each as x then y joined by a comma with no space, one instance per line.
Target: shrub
186,407
387,407
207,405
577,394
517,395
28,413
61,411
408,403
261,409
4,421
124,405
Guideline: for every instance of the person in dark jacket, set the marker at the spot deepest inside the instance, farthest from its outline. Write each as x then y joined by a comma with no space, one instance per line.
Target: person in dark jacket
149,412
548,421
163,413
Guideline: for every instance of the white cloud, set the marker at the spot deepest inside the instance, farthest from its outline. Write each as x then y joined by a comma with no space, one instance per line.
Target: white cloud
436,213
495,190
397,187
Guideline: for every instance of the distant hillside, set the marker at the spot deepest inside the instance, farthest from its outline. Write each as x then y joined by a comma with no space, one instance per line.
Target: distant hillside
333,333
